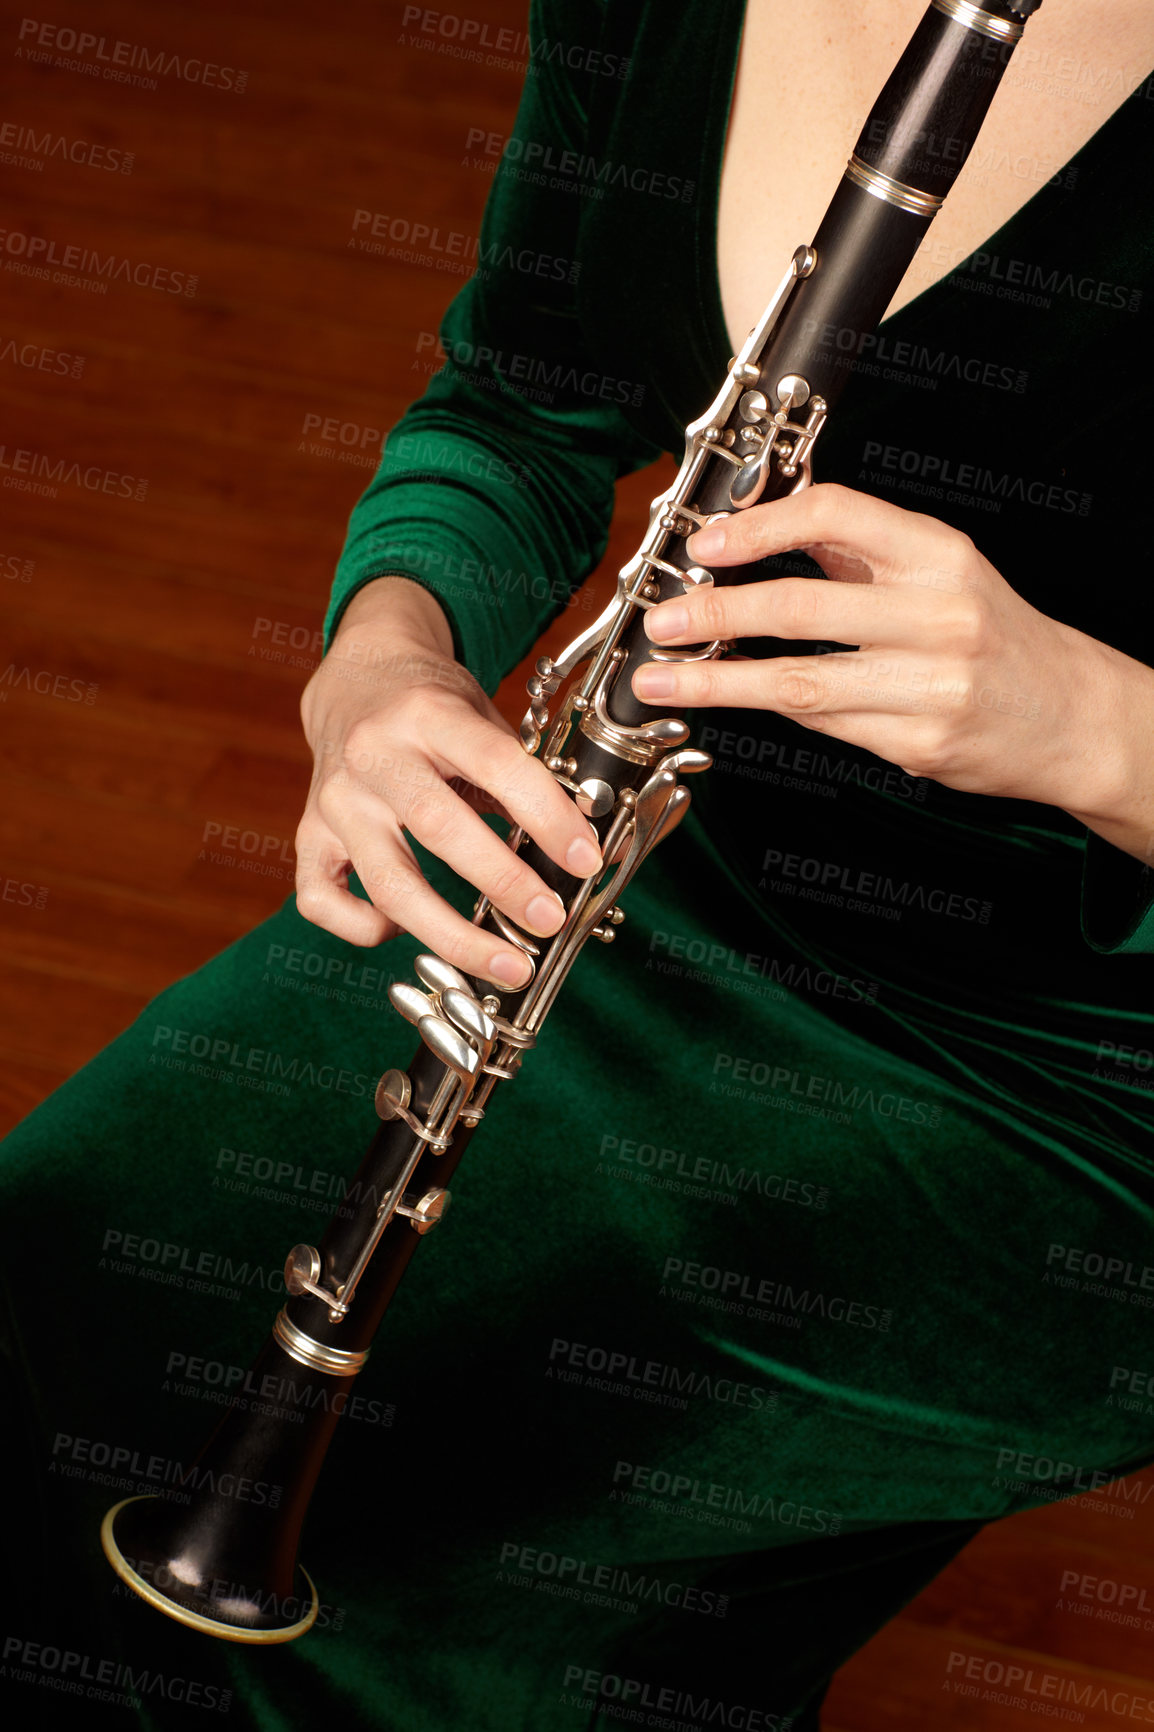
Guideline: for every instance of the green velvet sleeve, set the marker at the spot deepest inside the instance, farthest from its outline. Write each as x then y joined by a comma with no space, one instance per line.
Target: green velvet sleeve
495,490
1117,900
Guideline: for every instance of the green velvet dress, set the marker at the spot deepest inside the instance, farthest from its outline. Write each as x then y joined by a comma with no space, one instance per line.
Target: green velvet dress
815,1231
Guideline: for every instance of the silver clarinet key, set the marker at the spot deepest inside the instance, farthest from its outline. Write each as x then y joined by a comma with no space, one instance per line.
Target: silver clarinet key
441,976
450,1047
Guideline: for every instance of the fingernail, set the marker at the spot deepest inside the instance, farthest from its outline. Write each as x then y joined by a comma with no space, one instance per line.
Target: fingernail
653,683
583,857
545,913
662,623
513,970
705,543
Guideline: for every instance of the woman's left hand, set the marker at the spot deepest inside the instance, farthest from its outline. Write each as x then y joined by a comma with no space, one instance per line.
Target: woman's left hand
956,677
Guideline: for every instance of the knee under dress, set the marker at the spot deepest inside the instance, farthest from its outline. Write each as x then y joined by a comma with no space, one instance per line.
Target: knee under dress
810,1236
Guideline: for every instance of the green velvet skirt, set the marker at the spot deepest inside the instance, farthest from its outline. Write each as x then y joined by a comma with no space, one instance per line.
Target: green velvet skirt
739,1327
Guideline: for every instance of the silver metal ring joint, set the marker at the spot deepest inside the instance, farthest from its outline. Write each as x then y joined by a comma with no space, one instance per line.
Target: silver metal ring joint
895,192
977,18
301,1347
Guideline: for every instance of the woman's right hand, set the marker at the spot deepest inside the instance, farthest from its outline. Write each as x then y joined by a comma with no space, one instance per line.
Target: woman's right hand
393,720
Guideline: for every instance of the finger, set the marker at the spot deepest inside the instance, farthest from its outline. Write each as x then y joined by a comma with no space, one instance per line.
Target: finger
811,608
410,773
322,888
810,688
449,828
388,870
445,824
833,524
495,760
922,747
478,799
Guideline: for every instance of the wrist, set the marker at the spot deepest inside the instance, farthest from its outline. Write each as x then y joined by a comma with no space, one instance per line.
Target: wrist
1111,778
390,617
398,605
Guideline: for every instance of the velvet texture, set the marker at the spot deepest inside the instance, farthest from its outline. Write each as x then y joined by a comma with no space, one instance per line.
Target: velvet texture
771,1279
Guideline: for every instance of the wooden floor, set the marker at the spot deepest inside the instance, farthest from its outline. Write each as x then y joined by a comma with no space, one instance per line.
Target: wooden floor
156,637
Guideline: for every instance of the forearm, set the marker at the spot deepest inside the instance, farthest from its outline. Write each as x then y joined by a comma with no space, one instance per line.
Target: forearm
1113,790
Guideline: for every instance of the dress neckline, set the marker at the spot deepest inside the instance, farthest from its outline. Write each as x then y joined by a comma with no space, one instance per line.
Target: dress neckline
1028,215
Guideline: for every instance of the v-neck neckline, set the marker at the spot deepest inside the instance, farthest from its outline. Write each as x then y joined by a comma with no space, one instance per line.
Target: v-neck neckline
709,273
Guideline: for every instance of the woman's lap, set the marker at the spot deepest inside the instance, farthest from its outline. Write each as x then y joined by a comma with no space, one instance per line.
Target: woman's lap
728,1299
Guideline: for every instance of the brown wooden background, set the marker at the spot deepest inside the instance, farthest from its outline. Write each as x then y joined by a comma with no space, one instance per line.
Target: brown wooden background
159,602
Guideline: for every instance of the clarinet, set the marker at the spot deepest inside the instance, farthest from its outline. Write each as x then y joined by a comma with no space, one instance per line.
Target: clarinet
229,1567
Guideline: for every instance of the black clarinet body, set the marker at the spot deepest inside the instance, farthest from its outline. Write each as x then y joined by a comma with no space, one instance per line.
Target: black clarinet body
227,1565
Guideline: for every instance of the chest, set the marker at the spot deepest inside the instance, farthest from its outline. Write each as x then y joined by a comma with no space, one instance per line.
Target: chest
971,405
806,79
